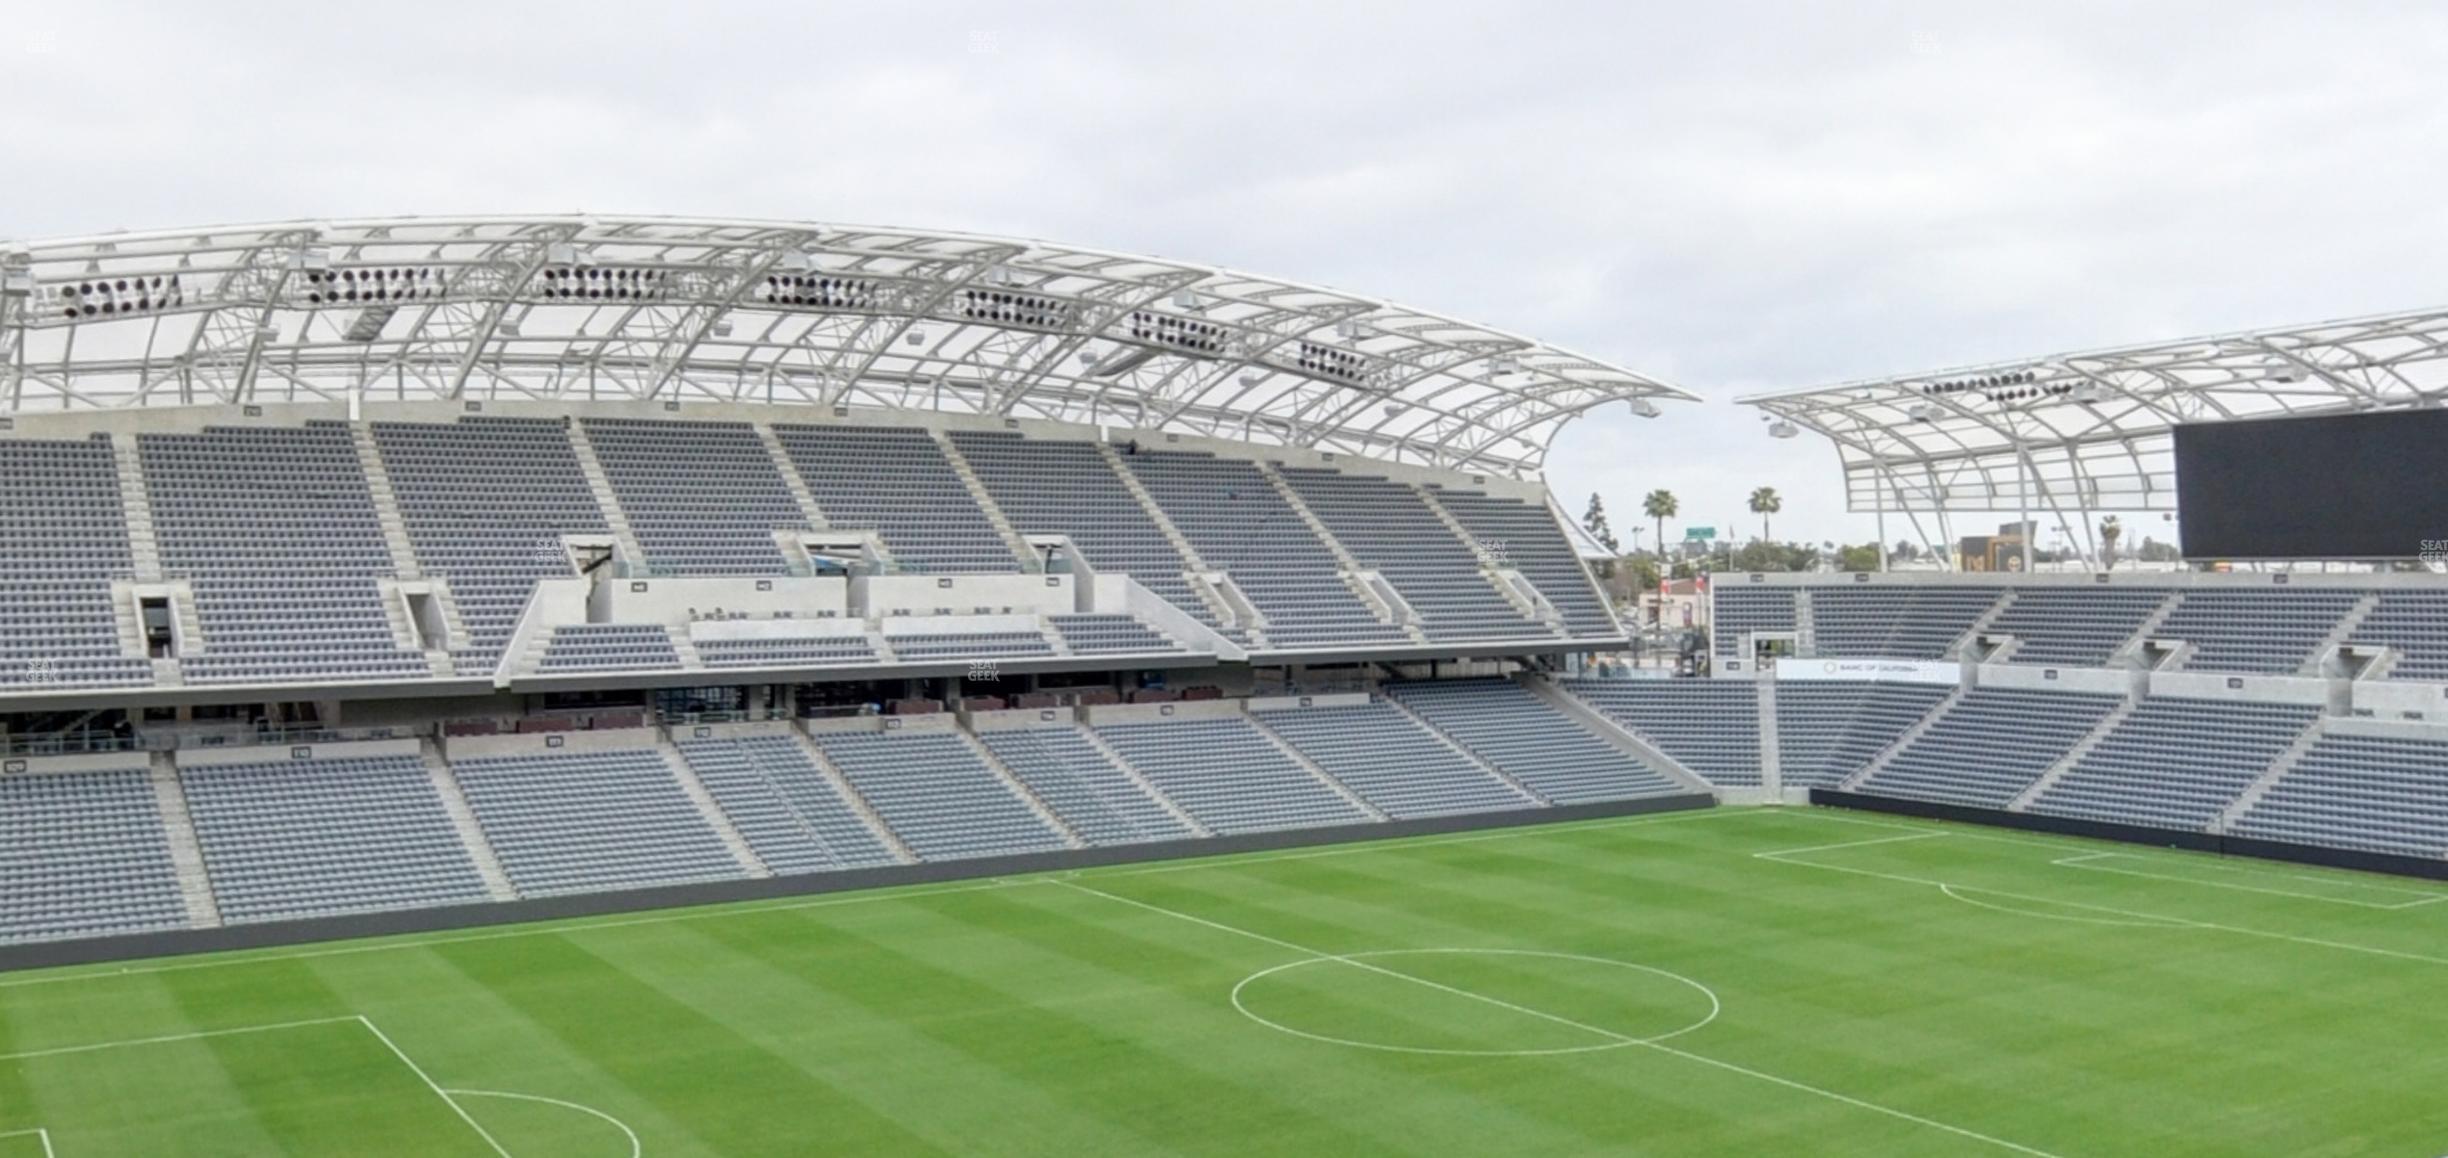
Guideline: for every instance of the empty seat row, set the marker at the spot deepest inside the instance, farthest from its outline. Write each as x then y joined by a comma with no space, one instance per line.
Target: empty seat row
1398,767
1389,528
1509,728
1827,730
2175,762
934,792
783,805
1709,726
291,839
1989,746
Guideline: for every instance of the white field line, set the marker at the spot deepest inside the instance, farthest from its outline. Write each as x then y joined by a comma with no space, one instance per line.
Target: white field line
1958,891
43,1137
636,1147
1229,860
2090,862
1977,832
1609,1034
1784,852
391,945
2131,914
433,1085
167,1039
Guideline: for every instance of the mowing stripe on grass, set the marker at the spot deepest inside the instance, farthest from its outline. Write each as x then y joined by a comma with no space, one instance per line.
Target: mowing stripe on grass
1501,1003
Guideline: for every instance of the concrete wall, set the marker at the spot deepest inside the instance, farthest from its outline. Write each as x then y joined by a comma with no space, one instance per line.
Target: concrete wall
2395,699
276,753
2056,679
1151,713
887,595
81,762
776,629
2221,686
1332,700
548,743
933,722
671,601
958,625
731,730
1022,719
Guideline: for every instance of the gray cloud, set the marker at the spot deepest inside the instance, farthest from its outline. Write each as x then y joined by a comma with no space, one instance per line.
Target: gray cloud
1736,199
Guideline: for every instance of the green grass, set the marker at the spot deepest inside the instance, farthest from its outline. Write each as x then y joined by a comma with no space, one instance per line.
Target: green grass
2129,1002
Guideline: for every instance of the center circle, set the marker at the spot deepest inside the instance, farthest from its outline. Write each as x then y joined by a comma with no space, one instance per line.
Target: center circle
1656,990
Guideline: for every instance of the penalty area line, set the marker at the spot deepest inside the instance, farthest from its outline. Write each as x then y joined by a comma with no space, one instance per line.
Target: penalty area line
41,1136
1777,854
1671,1051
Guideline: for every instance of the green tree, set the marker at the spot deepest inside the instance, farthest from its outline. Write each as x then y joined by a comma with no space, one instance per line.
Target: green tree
1862,558
2110,531
1595,521
1661,506
1765,502
1645,569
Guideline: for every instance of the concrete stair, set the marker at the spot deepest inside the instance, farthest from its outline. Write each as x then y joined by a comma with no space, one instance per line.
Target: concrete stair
463,819
791,478
144,548
128,622
2345,630
386,504
1020,788
1311,767
1387,605
850,793
186,854
685,648
986,502
1492,566
2128,654
1140,780
1919,729
1404,710
1771,751
601,485
1053,638
1192,565
720,821
1621,738
1987,621
2269,778
881,644
2074,755
187,623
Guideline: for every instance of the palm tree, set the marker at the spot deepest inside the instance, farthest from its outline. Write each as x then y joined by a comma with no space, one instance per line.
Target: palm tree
2110,531
1660,505
1765,502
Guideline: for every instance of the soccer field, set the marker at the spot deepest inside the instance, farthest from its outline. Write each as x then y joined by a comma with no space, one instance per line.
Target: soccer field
1738,981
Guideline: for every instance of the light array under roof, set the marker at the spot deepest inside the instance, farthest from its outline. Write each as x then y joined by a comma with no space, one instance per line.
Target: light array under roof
391,283
1192,334
813,292
118,297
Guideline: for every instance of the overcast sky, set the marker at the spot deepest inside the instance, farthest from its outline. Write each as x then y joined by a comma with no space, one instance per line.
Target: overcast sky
1732,198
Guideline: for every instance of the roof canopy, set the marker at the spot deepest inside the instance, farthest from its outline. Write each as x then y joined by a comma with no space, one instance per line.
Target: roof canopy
742,311
2090,431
